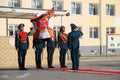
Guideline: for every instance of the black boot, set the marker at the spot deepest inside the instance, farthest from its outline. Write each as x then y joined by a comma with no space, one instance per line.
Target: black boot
20,65
50,64
38,64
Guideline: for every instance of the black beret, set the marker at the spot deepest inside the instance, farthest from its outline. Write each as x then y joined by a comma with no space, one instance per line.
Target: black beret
73,26
20,25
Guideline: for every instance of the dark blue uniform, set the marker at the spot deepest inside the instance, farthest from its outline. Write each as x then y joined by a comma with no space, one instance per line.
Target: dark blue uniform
22,44
62,43
73,44
38,45
51,44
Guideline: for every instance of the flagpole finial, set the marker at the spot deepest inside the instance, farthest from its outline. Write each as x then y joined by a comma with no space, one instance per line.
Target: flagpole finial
67,14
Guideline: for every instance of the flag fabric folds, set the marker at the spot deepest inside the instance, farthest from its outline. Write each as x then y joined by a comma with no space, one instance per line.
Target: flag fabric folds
43,24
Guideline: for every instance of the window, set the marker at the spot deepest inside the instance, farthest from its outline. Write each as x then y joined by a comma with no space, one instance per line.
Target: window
110,30
37,3
14,3
57,4
93,9
12,30
56,29
110,10
75,8
80,28
93,32
111,50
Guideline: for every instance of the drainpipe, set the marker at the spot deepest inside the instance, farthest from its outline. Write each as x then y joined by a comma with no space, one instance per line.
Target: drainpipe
100,25
67,14
61,20
6,26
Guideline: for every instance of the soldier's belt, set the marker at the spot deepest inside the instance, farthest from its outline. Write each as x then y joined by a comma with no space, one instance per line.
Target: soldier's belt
64,41
38,40
24,41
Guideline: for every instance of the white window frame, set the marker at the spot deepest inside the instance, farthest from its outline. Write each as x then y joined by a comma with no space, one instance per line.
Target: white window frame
13,29
108,10
35,4
108,31
109,28
56,4
92,7
92,36
57,30
11,3
75,8
80,28
111,51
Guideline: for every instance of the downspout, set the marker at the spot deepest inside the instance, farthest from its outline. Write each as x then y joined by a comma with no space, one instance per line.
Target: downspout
100,25
6,26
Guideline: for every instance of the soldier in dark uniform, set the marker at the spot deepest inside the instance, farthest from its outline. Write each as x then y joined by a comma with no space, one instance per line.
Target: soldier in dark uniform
62,44
21,44
73,45
31,32
38,45
51,45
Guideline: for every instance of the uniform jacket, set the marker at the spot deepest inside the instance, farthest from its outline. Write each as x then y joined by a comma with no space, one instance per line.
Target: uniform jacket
51,44
37,43
73,39
21,40
62,44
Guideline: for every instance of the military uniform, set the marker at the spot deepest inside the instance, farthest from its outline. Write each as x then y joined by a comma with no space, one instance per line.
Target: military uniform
22,44
62,44
38,45
51,44
73,44
30,33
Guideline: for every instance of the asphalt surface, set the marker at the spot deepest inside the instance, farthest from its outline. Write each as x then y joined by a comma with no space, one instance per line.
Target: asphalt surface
53,75
48,74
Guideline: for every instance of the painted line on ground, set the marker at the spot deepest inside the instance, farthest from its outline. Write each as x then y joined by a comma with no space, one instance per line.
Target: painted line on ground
4,76
86,70
23,76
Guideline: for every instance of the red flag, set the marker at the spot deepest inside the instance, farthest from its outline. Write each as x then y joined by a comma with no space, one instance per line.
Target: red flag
41,22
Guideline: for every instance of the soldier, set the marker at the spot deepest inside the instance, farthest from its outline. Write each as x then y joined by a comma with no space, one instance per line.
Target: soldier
51,44
30,33
73,45
38,45
21,44
62,44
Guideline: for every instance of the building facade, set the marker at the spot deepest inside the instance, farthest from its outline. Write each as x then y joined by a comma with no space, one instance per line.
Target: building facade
94,17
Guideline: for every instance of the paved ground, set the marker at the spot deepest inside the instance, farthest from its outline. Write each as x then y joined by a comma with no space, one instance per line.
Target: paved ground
53,75
99,63
109,63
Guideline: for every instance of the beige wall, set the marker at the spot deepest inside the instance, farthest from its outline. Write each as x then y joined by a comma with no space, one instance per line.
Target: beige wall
3,2
26,3
8,54
108,21
27,23
84,20
3,27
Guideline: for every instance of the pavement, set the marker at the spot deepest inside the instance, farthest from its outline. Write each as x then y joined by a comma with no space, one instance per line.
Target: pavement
100,58
88,68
